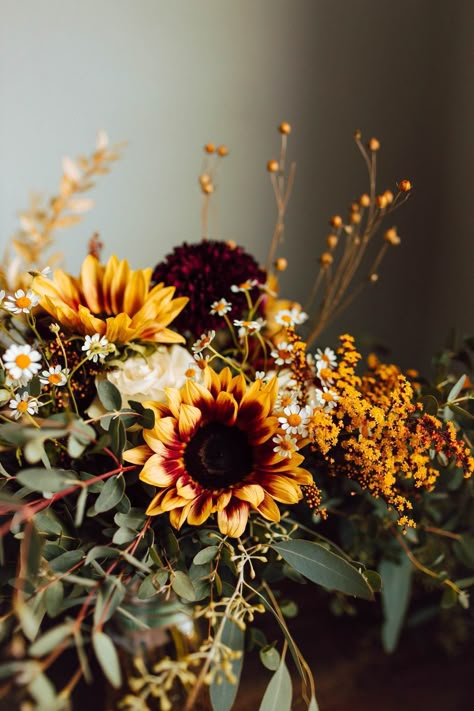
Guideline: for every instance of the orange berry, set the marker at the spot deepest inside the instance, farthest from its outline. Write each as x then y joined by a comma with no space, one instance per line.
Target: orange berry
381,201
208,188
335,221
374,144
273,166
209,148
388,196
326,259
355,218
392,237
364,200
285,128
331,241
404,186
222,151
281,264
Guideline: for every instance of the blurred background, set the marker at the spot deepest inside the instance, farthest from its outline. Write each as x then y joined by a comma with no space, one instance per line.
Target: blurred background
169,77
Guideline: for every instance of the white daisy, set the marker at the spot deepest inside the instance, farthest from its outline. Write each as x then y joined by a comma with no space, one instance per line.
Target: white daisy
286,398
96,347
325,398
22,404
245,286
21,302
285,445
56,375
249,327
325,359
21,362
203,342
293,317
283,354
221,307
294,420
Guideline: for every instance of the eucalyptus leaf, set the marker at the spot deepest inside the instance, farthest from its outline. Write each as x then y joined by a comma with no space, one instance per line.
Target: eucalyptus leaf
39,479
107,657
112,492
117,436
81,507
109,395
222,691
182,585
270,657
396,585
66,561
456,389
278,693
324,567
53,598
50,640
205,555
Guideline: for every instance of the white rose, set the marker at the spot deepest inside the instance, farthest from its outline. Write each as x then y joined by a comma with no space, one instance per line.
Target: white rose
140,379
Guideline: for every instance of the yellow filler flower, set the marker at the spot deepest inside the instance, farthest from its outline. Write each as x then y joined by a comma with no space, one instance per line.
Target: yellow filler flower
211,450
113,301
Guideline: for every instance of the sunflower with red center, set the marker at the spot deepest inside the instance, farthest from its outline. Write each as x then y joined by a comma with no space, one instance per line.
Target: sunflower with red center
211,450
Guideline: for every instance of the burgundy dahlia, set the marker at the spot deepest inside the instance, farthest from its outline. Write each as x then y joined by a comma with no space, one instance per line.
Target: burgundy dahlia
205,272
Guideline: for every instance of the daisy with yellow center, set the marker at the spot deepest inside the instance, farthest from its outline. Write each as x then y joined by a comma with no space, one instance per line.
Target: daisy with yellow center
112,301
211,451
56,376
21,362
21,302
23,404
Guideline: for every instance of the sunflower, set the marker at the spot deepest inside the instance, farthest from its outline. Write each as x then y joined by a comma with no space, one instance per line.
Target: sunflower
112,301
212,450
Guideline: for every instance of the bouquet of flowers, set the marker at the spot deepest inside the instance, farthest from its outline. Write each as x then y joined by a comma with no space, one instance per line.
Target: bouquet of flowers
177,442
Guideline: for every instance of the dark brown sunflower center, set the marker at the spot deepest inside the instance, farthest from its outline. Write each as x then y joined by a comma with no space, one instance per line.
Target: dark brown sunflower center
218,456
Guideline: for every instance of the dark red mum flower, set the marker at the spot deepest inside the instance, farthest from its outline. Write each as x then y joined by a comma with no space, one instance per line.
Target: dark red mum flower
204,272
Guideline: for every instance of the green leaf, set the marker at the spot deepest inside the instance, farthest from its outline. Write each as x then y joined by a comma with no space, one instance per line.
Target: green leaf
205,555
34,387
278,693
134,519
123,535
147,588
51,639
270,657
109,395
135,562
53,598
81,507
463,549
117,436
33,544
112,492
183,586
396,586
222,691
66,561
374,579
102,552
456,389
52,480
107,657
324,567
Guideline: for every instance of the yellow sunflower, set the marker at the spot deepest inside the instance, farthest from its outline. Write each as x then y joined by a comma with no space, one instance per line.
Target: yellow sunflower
212,450
111,300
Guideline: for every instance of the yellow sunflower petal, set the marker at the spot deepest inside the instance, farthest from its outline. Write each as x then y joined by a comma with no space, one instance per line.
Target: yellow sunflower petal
253,493
91,283
233,519
138,455
281,488
188,421
178,516
200,509
269,509
226,408
156,474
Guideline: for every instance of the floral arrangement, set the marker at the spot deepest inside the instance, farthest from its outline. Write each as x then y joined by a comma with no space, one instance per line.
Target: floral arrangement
178,441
